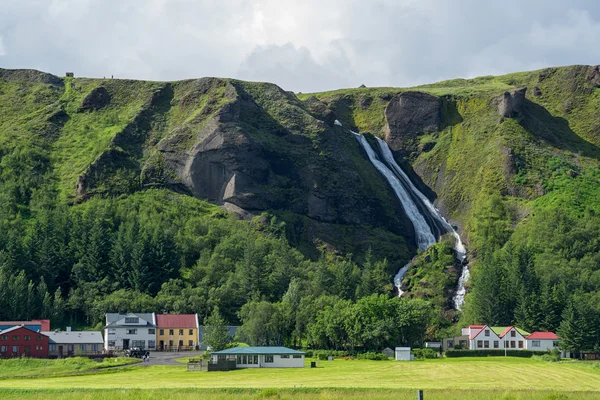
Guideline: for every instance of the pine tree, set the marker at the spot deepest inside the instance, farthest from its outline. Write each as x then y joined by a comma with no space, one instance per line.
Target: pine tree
216,335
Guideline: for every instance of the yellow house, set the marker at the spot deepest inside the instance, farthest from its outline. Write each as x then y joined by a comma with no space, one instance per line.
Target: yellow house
177,331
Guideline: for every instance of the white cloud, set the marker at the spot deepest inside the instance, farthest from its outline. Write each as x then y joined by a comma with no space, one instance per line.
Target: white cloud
300,45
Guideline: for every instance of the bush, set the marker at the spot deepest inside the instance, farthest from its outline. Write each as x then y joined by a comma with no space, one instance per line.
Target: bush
553,356
370,355
421,354
493,353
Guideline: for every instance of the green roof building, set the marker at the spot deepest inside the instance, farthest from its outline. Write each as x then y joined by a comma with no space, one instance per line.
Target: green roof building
261,357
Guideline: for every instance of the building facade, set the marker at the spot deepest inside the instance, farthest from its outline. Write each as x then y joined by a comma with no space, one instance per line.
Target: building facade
177,332
20,341
128,330
484,337
70,343
261,357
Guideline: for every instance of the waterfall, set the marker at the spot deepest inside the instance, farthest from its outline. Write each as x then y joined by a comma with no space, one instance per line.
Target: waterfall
428,222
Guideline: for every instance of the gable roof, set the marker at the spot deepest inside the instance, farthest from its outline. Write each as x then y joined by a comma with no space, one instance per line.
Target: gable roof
15,328
75,337
177,320
259,350
543,335
112,319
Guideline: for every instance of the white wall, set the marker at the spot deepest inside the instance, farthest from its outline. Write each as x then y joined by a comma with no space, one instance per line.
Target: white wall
278,362
403,355
545,344
121,333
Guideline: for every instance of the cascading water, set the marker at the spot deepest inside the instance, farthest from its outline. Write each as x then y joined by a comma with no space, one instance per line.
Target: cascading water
428,222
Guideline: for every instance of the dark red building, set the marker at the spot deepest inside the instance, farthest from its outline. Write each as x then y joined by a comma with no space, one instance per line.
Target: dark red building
20,341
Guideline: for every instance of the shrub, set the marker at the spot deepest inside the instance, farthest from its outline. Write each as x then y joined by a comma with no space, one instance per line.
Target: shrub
370,355
492,353
421,354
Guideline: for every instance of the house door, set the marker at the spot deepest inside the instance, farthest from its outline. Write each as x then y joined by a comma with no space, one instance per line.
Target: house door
60,351
161,345
125,344
27,350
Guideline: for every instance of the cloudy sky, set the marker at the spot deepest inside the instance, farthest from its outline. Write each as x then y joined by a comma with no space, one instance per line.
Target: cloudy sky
302,45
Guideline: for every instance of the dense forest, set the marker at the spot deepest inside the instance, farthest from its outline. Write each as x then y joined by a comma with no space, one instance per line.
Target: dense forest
298,242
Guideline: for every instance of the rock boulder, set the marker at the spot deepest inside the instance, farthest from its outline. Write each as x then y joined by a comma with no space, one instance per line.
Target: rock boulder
511,103
98,98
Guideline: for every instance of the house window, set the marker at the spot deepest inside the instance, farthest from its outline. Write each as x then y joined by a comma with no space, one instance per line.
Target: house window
138,343
506,345
555,344
181,343
268,359
244,359
479,344
4,337
39,347
513,334
15,349
486,344
487,332
132,331
285,356
16,337
151,331
161,332
82,347
256,359
171,332
52,347
94,347
70,347
111,343
250,360
112,331
535,343
191,332
38,337
151,344
3,349
132,320
297,355
450,343
512,344
170,343
520,344
190,343
496,344
180,332
26,337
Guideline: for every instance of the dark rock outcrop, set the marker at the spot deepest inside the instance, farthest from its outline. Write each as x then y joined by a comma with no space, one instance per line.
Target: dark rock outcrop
98,98
593,76
536,91
511,103
409,115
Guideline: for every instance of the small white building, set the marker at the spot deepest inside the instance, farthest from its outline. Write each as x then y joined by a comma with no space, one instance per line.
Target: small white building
403,354
261,357
127,330
542,341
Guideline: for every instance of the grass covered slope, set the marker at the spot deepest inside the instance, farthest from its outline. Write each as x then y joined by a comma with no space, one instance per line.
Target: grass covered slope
30,368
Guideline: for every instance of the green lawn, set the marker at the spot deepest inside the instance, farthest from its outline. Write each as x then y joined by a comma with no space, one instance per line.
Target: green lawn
36,368
493,377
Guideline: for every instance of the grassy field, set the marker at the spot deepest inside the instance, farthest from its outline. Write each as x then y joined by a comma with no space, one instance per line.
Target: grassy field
476,378
37,368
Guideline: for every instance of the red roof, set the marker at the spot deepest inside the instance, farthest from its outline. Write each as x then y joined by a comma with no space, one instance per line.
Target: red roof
543,335
176,321
508,328
44,323
476,326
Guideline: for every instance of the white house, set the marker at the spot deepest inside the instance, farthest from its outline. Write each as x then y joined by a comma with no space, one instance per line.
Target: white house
542,341
484,337
261,357
127,330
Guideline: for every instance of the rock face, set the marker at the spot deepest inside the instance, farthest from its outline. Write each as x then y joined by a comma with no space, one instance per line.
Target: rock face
409,115
98,98
593,76
511,103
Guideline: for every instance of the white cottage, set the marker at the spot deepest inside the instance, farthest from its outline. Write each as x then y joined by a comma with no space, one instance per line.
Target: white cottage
128,330
261,357
484,337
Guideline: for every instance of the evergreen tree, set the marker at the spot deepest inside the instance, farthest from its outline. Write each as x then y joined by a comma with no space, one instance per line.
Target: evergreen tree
216,335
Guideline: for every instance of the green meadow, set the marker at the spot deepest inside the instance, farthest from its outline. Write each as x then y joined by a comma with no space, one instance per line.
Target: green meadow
474,378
